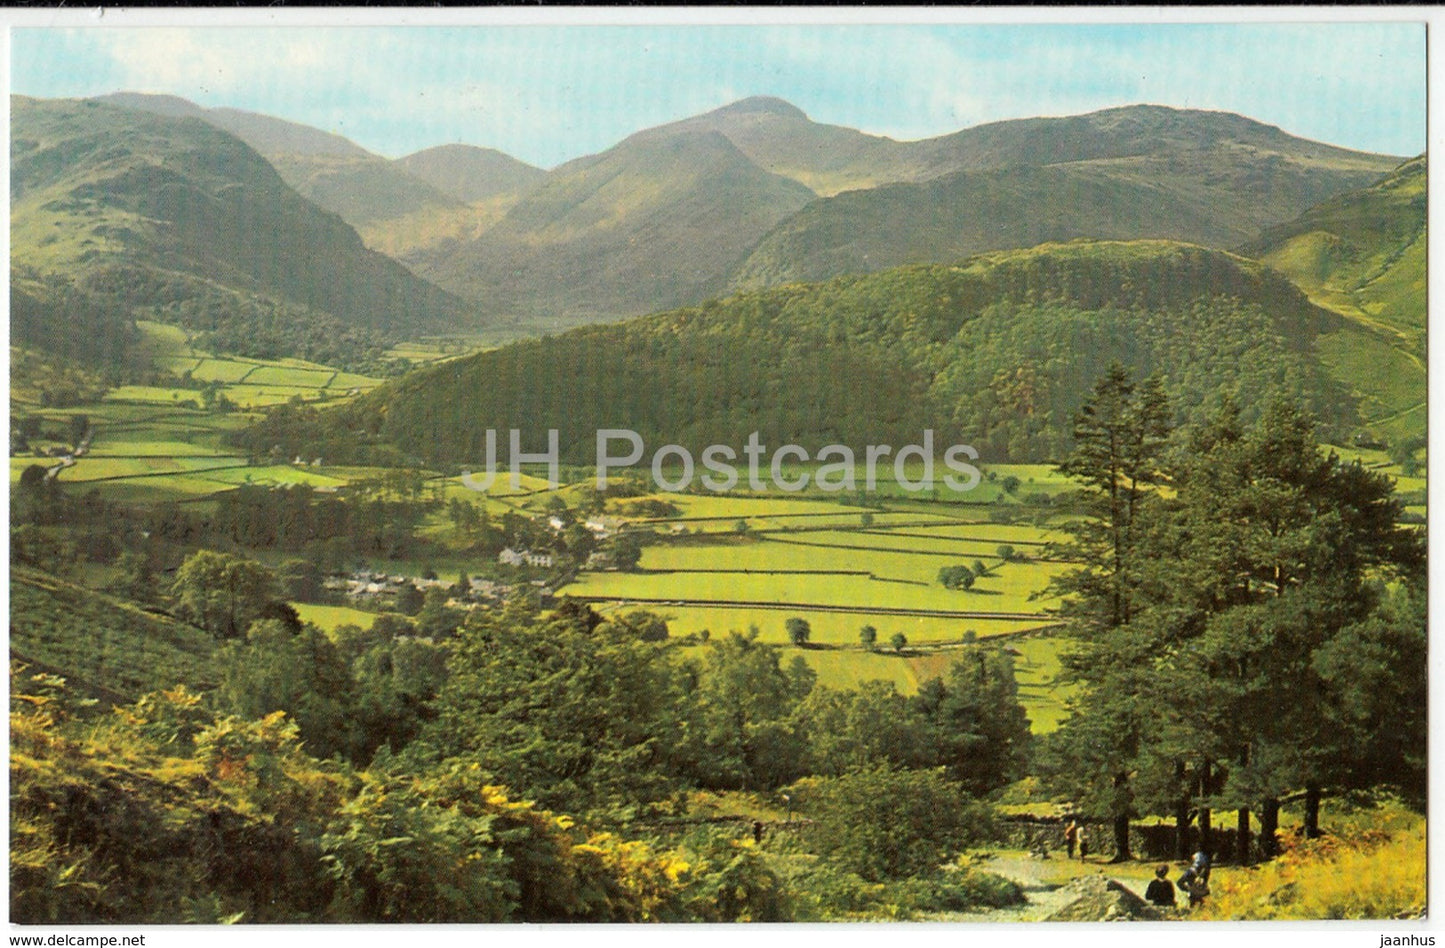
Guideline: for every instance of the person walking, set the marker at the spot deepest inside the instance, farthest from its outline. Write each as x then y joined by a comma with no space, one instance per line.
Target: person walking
1071,837
1083,844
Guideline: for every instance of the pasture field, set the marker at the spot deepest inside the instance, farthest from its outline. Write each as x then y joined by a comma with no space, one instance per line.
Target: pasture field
289,376
1007,593
279,474
828,628
221,370
328,618
110,468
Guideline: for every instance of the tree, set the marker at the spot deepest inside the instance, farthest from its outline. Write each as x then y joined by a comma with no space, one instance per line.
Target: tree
744,704
898,641
868,637
975,721
409,599
1010,484
574,713
885,824
858,728
626,551
956,577
300,580
1212,659
437,619
1119,435
223,593
277,669
137,578
646,626
798,631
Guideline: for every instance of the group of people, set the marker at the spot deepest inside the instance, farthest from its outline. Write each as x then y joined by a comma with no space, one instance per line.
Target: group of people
1193,882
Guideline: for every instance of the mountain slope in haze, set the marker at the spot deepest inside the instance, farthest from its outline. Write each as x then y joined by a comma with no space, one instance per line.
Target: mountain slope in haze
780,138
1138,172
468,173
333,172
996,352
177,220
1363,255
653,222
265,133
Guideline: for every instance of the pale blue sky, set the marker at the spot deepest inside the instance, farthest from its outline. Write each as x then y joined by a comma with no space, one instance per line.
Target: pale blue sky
549,93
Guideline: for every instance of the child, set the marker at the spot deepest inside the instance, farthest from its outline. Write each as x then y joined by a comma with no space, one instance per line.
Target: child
1161,890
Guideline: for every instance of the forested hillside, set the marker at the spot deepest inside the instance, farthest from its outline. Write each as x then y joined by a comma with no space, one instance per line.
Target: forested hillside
994,352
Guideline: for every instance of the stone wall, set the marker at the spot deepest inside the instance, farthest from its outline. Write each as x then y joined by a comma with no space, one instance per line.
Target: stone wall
1147,841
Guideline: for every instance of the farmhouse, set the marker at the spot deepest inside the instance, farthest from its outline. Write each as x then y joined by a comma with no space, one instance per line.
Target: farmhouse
511,557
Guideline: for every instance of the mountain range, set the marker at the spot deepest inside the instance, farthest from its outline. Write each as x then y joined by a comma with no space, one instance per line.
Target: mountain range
255,230
755,194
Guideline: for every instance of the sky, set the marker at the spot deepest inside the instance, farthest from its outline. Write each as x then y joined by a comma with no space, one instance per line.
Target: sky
548,93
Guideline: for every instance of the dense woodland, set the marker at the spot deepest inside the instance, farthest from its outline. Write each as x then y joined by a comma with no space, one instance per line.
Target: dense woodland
996,352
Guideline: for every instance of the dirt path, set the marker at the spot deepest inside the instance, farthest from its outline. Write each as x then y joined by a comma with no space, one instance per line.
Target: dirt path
1044,884
1044,896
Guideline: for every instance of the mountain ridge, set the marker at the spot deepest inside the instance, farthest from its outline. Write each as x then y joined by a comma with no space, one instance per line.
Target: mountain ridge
180,219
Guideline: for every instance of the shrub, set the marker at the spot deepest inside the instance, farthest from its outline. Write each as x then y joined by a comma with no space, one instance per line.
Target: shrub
888,824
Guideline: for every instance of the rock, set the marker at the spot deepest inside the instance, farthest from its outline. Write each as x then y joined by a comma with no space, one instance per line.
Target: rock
1097,899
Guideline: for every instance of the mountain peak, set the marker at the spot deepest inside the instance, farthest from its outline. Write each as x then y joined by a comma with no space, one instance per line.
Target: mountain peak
766,104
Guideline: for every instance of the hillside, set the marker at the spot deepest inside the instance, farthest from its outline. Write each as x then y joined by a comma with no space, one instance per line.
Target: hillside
996,352
1138,172
174,219
1362,252
780,138
653,222
468,173
636,228
1363,255
106,647
336,174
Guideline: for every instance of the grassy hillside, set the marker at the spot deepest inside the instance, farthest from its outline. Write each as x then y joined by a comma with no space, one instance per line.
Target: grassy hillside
639,226
780,138
106,647
1362,254
1138,172
468,173
654,222
996,352
331,171
174,217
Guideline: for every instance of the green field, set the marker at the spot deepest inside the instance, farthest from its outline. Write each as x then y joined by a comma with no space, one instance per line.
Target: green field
328,618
